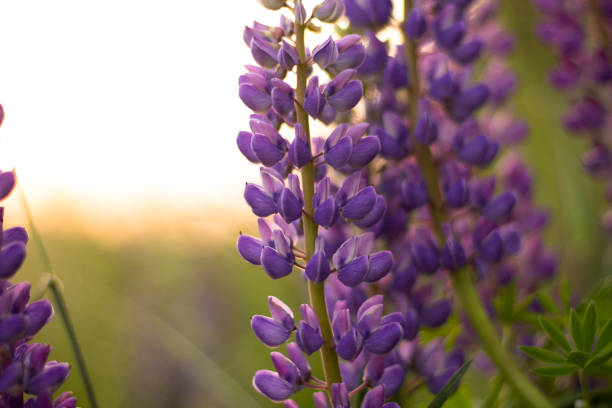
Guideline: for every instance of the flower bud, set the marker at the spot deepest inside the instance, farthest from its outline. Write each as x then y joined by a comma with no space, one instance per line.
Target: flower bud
260,202
340,397
350,54
49,378
425,255
490,249
244,141
37,315
299,150
426,130
467,52
436,314
457,194
354,272
269,331
269,384
500,207
313,100
300,361
384,338
380,265
281,313
320,400
392,379
375,398
287,56
7,183
272,4
285,368
467,101
364,151
360,204
299,13
329,11
14,234
250,249
308,338
275,264
369,319
11,258
317,269
375,215
326,53
368,14
415,25
453,255
263,53
282,97
11,327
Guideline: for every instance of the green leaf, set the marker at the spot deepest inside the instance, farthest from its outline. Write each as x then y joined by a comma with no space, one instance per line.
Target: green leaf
547,302
601,357
450,387
575,329
504,303
565,294
524,304
589,326
541,354
555,334
555,371
579,358
605,337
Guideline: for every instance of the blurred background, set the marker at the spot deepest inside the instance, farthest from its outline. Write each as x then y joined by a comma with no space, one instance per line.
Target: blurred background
121,119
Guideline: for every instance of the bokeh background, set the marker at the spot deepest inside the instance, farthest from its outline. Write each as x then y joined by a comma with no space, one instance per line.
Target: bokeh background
121,119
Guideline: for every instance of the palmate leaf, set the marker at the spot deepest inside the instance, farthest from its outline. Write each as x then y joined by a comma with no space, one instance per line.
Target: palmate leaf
579,358
547,302
575,324
555,371
450,387
589,326
601,357
541,354
605,337
555,334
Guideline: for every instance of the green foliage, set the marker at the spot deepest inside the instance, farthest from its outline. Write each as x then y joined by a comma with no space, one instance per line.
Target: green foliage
450,387
584,355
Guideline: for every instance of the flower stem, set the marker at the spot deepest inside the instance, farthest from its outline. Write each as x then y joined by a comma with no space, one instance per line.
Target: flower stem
55,285
461,279
584,387
316,293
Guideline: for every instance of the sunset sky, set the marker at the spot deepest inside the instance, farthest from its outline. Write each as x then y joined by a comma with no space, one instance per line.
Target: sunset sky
118,103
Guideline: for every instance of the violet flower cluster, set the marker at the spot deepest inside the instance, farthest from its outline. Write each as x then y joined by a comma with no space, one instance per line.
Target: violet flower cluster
400,199
352,326
27,379
580,34
459,218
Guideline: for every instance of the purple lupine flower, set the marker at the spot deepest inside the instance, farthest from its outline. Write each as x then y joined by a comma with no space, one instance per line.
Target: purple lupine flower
25,369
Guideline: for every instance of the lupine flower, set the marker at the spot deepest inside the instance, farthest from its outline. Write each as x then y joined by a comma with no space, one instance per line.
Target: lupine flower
367,175
24,368
584,64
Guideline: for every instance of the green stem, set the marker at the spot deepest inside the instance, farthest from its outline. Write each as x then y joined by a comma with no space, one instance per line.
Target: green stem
584,387
316,293
510,371
462,282
58,297
60,303
496,388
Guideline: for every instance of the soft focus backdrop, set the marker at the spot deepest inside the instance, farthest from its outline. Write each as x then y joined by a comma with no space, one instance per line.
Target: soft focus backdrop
121,119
